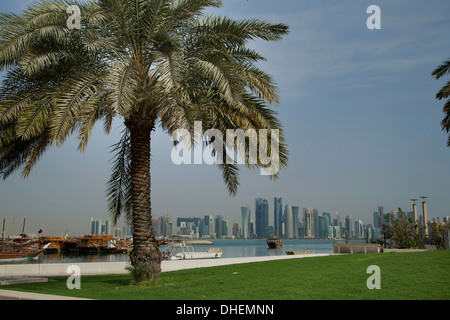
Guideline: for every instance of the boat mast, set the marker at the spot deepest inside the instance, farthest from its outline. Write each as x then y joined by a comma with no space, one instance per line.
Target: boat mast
23,233
23,227
3,232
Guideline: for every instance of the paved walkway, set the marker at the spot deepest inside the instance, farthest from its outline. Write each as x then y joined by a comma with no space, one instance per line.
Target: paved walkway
19,295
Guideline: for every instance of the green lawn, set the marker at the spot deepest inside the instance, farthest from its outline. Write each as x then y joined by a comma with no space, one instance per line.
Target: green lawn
421,275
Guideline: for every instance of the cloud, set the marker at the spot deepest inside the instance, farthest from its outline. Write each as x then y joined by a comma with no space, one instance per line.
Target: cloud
331,44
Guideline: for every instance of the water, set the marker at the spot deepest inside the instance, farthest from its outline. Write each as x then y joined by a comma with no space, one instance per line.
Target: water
231,249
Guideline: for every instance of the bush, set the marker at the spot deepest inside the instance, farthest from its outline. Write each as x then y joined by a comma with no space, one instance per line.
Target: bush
437,230
402,233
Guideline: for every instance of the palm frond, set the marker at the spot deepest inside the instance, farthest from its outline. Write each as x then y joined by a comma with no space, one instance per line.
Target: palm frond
123,83
444,93
442,70
33,121
119,184
69,106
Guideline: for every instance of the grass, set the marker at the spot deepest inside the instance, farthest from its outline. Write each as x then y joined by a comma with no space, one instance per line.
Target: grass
405,276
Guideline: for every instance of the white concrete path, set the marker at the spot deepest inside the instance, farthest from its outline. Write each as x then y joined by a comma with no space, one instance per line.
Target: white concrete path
60,269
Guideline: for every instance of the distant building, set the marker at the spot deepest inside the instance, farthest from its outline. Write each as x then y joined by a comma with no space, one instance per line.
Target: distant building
337,232
245,211
295,210
208,227
308,219
237,230
348,226
224,229
327,222
289,222
278,216
359,229
218,226
261,217
97,227
117,233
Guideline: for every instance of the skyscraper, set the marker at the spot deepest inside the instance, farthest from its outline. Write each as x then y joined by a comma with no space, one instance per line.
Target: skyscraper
218,226
224,228
315,223
97,227
92,228
262,217
327,221
348,226
277,216
289,222
379,217
245,221
236,232
359,229
208,226
295,210
309,222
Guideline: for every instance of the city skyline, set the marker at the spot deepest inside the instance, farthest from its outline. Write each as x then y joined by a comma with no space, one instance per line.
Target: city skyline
309,225
274,215
261,223
358,107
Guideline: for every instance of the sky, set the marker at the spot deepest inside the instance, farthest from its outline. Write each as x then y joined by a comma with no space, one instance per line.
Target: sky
358,107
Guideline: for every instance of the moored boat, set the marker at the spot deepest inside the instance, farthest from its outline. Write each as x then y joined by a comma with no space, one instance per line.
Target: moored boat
58,244
292,252
161,241
274,243
99,244
9,253
180,251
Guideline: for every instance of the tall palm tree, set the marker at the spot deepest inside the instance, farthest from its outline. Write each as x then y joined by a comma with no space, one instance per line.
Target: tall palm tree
444,94
150,63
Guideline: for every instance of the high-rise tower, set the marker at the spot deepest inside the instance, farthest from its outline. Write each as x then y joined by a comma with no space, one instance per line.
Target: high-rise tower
289,222
245,221
262,217
277,216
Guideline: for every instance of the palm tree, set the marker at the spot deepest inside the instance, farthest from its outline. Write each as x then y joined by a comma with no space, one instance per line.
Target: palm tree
443,94
150,63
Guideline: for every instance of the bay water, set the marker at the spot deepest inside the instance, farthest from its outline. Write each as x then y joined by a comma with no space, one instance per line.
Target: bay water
231,249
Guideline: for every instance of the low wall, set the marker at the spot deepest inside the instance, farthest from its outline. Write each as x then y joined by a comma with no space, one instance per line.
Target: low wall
60,269
355,248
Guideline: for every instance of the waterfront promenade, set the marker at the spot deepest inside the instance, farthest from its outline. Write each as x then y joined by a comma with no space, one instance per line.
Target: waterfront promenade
18,271
95,268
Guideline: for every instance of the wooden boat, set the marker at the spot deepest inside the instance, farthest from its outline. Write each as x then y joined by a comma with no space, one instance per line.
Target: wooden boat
98,244
274,243
292,252
8,253
58,244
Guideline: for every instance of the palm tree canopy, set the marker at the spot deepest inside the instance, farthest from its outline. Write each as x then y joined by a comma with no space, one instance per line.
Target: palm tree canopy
442,70
144,61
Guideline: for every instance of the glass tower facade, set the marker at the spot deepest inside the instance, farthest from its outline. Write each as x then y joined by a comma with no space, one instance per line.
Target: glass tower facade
278,216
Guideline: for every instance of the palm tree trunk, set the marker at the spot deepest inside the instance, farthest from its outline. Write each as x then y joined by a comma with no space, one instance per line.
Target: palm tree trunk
145,257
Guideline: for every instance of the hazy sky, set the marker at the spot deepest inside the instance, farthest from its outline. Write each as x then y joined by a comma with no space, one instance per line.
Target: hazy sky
359,110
